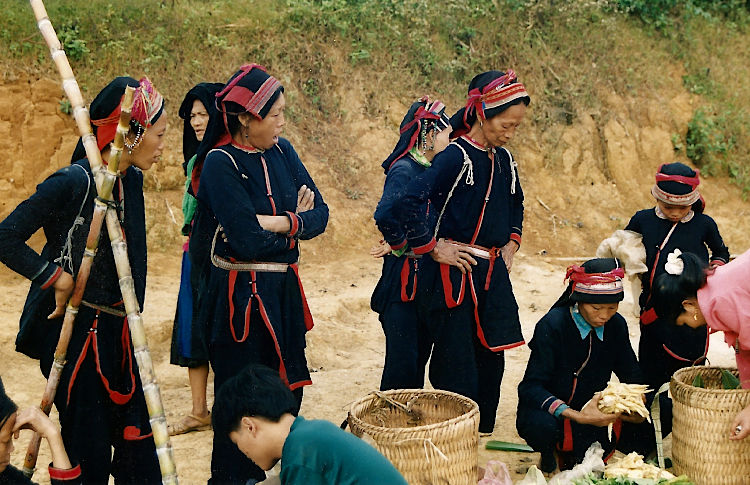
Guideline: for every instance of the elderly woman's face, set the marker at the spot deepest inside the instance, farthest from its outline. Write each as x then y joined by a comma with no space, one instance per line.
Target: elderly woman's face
199,119
264,133
500,129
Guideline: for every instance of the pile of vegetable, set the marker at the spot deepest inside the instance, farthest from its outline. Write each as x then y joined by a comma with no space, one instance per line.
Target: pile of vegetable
591,480
633,466
618,397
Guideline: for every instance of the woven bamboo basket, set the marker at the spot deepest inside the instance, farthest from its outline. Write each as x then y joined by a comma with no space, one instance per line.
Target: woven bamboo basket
701,426
430,436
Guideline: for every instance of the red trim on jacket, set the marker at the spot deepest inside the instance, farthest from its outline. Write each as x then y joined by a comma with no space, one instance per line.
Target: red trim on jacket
51,280
396,247
299,384
305,308
445,275
230,290
293,223
63,474
480,332
405,280
426,248
91,339
133,433
516,238
684,359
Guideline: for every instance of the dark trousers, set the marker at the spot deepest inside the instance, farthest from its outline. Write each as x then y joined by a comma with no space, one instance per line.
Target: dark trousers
544,432
407,347
103,437
228,464
461,364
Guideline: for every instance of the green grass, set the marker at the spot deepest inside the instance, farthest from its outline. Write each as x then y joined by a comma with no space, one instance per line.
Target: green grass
569,54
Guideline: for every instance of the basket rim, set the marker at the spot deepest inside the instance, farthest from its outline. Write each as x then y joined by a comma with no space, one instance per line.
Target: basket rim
677,382
426,427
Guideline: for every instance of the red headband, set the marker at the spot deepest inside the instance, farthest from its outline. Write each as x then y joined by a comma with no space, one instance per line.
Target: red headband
583,282
693,182
497,93
147,103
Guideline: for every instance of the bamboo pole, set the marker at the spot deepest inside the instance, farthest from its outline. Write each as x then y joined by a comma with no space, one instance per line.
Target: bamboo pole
104,182
71,310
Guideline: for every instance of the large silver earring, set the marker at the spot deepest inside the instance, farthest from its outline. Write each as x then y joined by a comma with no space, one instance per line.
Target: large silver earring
136,140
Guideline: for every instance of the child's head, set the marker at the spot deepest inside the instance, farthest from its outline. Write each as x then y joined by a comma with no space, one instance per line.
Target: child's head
246,409
7,422
676,191
596,286
674,295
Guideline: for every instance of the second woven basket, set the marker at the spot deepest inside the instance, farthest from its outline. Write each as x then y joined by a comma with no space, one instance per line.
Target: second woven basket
430,436
701,426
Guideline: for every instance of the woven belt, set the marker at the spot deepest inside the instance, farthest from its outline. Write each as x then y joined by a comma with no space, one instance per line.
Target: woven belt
271,267
411,254
106,309
477,251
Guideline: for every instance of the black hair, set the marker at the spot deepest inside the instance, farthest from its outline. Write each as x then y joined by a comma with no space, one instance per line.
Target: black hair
597,265
7,407
256,391
669,291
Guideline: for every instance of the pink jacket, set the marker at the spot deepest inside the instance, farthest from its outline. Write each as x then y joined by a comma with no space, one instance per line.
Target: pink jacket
725,303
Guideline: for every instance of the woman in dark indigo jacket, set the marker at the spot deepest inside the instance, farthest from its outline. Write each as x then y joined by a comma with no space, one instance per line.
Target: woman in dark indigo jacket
99,397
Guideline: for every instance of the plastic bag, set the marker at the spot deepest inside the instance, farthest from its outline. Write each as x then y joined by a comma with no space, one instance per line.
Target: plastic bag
592,463
533,477
496,473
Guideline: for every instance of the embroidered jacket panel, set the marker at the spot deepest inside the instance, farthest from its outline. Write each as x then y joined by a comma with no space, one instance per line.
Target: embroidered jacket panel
503,214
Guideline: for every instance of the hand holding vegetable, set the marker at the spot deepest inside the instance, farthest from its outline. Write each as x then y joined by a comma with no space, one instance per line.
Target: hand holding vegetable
592,414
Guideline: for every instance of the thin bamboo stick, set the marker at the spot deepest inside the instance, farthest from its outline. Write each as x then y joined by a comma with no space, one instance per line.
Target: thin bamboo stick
104,182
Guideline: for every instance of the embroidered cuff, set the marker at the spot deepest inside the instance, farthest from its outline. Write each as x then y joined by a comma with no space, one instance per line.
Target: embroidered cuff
516,238
557,408
50,275
425,248
398,245
63,475
717,262
294,223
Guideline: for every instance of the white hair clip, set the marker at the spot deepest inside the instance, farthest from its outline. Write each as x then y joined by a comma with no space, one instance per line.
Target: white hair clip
674,264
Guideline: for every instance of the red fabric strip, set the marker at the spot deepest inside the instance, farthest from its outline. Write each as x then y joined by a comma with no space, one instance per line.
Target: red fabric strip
133,433
62,475
305,308
405,280
425,248
445,275
51,280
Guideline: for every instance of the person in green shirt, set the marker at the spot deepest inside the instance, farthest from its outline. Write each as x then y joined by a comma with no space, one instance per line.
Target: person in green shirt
259,414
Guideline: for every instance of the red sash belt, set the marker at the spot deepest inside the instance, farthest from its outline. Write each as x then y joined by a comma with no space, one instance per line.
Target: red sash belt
307,316
405,280
91,339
